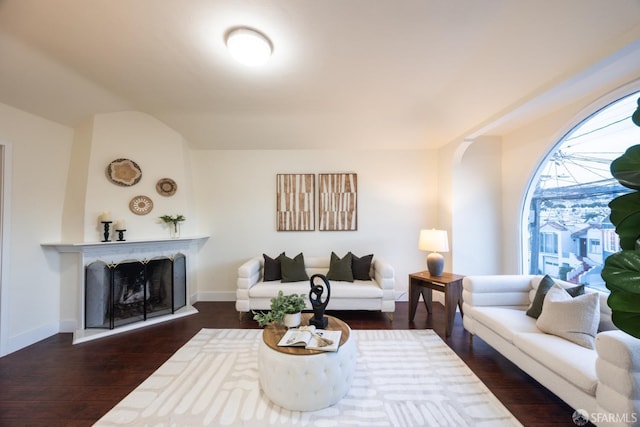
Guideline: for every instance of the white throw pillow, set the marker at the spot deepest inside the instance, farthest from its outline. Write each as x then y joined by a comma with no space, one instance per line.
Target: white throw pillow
574,319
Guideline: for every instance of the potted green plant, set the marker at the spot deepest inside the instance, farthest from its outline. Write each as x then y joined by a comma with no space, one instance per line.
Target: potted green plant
621,271
174,230
289,306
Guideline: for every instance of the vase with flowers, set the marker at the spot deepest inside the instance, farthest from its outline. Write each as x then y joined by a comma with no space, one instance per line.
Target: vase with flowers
173,221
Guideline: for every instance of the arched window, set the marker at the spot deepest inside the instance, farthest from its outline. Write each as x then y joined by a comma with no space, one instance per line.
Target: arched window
569,234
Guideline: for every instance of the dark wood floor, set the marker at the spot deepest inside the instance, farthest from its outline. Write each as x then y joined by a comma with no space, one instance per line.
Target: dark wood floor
55,383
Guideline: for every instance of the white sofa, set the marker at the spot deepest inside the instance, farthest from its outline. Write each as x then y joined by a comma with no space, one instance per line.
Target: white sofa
253,293
604,382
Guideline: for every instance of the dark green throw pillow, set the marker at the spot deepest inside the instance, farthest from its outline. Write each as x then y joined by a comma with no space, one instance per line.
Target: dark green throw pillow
293,269
545,284
536,306
272,270
340,269
575,291
361,266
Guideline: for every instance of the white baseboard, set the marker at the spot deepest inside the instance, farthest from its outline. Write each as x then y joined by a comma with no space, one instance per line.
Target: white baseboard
25,339
68,326
216,296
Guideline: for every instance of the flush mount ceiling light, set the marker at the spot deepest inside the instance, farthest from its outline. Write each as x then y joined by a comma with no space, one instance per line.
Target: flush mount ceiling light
249,47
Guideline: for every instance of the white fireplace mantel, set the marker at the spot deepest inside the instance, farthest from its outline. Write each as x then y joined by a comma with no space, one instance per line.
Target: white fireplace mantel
85,253
117,248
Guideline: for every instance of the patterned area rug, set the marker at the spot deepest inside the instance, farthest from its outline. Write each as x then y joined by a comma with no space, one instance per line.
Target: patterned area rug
403,378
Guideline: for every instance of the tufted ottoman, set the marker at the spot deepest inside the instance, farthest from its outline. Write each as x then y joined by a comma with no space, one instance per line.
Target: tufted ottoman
306,380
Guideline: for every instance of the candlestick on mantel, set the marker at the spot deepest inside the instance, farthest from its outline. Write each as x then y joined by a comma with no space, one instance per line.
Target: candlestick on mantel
106,231
121,235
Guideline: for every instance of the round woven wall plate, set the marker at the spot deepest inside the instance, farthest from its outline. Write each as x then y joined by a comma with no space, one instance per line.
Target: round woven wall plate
141,205
166,187
124,172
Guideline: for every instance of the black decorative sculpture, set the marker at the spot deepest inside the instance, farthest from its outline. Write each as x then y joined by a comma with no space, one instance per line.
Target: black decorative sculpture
315,296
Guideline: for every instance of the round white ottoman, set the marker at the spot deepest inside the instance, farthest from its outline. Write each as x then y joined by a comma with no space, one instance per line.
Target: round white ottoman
306,382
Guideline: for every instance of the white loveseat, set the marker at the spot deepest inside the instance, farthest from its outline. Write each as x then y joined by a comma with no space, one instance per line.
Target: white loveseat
253,293
604,381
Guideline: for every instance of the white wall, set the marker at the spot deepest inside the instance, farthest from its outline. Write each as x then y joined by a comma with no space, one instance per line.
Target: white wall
40,160
476,207
235,196
159,151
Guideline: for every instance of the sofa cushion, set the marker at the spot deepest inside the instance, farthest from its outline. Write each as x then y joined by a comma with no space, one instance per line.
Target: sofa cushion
574,363
573,318
543,287
272,270
358,289
317,265
293,269
503,321
340,268
266,290
361,266
616,348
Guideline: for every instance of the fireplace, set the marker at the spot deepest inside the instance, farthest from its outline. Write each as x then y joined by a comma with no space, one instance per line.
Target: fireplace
133,290
114,287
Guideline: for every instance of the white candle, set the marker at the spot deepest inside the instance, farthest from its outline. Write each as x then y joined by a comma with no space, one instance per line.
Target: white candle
105,216
120,224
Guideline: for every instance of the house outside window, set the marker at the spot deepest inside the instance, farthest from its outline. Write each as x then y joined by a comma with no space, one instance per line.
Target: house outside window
611,241
568,213
549,243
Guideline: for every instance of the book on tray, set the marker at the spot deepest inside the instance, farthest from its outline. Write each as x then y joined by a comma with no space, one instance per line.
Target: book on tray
311,338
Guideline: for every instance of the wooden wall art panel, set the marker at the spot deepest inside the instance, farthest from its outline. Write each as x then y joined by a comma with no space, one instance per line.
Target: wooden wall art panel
338,200
295,198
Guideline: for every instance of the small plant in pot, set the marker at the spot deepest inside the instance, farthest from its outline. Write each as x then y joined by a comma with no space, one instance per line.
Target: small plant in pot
285,309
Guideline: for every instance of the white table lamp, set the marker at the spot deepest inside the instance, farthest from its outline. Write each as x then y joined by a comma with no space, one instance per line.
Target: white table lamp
434,241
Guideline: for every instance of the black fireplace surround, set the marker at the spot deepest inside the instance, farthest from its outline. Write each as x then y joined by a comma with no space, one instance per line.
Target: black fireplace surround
133,290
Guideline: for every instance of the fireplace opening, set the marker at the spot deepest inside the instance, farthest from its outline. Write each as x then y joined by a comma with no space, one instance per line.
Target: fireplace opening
133,290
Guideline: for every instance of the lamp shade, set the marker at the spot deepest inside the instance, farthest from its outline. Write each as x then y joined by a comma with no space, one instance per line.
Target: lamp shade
249,47
433,241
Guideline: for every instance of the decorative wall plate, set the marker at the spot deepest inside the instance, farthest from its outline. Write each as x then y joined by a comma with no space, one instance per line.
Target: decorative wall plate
141,205
166,187
124,172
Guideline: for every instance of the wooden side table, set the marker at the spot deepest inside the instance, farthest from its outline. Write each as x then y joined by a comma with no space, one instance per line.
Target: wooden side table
423,283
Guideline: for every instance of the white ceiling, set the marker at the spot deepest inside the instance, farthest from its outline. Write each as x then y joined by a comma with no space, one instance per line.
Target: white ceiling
344,73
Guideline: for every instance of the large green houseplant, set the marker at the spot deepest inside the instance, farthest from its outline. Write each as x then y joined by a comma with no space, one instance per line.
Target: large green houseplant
281,306
621,270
